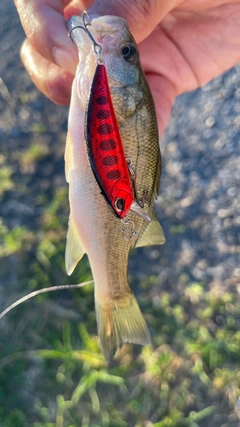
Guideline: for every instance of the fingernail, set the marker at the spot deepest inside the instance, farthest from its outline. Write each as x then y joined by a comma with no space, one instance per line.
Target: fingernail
64,59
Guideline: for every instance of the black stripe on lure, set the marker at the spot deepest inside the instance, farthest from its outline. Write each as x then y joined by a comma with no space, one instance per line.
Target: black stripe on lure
104,145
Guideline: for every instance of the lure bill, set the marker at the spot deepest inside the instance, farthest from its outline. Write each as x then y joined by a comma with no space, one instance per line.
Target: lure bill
112,115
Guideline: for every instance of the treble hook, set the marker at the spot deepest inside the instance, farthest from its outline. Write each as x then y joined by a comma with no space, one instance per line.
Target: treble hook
97,47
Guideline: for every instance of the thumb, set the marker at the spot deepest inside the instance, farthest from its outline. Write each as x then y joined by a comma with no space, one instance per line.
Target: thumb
142,15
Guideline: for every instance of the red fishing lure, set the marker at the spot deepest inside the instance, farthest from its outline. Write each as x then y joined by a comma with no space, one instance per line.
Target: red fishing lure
105,148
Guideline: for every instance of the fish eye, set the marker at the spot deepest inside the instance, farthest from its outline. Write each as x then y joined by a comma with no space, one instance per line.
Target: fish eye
129,52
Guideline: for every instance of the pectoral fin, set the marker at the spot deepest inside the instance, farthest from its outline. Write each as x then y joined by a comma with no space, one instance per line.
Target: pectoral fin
74,250
151,233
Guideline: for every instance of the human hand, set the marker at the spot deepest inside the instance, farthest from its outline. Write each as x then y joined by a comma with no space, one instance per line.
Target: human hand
183,43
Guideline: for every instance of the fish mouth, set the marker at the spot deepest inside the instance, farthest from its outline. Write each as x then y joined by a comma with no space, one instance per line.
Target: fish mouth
74,21
101,28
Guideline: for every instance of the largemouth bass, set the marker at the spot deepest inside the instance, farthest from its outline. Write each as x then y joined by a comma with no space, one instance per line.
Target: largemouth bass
93,227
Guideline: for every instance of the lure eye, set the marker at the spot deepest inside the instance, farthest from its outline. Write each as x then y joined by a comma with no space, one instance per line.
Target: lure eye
129,52
119,203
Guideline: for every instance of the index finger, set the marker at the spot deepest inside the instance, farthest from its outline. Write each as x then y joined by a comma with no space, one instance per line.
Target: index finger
44,24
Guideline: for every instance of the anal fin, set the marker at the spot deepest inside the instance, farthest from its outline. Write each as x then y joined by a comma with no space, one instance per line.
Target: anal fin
74,250
151,233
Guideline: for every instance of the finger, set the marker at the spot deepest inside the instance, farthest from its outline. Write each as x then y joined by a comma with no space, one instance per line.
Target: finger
164,95
65,3
53,81
44,24
201,4
142,16
76,7
207,44
159,75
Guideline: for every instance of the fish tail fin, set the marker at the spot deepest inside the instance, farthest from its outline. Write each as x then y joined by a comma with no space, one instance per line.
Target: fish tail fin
120,321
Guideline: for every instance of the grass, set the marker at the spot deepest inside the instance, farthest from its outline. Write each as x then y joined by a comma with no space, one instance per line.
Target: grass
181,381
52,372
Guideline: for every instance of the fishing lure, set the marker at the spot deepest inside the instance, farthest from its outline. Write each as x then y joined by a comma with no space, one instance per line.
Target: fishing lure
104,145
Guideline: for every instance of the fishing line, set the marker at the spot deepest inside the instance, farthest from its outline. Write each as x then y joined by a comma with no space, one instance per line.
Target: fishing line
42,291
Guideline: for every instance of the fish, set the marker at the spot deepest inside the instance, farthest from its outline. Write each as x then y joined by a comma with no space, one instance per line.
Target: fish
93,227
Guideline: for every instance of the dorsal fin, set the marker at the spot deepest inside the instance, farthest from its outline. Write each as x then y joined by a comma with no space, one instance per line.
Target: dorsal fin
151,233
74,250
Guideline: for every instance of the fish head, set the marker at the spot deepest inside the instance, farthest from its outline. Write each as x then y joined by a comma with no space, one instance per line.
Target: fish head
119,51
